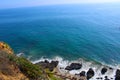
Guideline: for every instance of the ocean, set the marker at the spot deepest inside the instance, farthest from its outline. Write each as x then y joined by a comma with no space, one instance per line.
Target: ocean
87,31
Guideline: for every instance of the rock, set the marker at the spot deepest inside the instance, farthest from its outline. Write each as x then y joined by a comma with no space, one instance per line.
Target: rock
90,73
46,61
53,65
74,66
45,64
117,76
99,78
110,68
106,78
104,70
111,78
82,73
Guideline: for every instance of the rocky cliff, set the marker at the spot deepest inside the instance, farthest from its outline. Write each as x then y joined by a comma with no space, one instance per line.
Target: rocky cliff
13,67
19,68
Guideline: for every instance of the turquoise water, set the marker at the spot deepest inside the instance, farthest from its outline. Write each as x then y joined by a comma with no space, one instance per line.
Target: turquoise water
68,31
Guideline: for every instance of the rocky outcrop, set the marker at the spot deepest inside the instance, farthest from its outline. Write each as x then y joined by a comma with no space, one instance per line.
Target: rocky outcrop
117,76
50,65
90,73
74,66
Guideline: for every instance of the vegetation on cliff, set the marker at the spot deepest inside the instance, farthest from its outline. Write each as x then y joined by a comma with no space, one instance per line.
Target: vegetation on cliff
13,67
19,68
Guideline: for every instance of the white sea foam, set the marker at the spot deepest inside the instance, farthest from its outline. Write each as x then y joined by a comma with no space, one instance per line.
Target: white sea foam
85,67
20,54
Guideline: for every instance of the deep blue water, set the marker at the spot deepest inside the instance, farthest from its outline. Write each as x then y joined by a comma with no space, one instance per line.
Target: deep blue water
69,31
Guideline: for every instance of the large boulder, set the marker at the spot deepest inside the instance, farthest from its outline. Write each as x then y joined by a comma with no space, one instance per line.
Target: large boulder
90,73
74,66
104,70
50,65
117,76
53,65
44,64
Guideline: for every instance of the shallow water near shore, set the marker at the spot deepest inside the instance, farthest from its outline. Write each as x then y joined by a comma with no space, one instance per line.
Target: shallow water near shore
68,31
86,65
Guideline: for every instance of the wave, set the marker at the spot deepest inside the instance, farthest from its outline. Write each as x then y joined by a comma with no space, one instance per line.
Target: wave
97,67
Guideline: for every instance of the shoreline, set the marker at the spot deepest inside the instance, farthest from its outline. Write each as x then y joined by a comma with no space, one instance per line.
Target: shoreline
100,71
53,69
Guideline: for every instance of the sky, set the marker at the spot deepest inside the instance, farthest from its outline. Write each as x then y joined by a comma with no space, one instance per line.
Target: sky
27,3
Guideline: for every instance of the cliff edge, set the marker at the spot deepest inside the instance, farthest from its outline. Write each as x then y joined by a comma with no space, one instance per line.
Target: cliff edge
19,68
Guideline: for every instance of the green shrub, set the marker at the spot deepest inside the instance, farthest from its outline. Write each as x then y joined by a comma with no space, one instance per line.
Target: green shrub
34,72
29,69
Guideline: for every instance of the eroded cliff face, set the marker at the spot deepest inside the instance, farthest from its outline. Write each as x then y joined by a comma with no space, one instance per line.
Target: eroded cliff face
6,48
19,68
8,69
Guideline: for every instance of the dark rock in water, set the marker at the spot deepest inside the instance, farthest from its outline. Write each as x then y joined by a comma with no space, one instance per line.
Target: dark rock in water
99,78
111,78
74,66
90,73
68,68
46,61
104,70
82,73
117,76
106,78
110,68
46,64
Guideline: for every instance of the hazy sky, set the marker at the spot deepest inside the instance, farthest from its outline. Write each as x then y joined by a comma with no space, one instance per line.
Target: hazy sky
23,3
